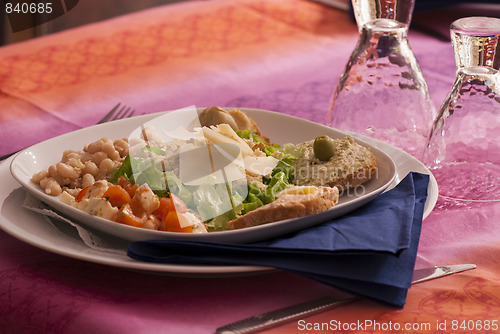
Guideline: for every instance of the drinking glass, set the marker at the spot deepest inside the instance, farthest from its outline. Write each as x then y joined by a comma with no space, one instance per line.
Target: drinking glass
382,92
463,149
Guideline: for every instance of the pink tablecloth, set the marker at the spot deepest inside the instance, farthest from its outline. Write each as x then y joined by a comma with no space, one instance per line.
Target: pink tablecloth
281,55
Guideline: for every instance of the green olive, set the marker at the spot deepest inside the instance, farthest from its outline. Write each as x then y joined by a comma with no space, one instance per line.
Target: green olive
324,148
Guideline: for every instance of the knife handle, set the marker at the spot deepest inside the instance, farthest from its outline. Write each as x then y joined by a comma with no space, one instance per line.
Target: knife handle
275,318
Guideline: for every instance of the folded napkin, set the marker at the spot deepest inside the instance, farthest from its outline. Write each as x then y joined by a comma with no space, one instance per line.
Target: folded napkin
369,252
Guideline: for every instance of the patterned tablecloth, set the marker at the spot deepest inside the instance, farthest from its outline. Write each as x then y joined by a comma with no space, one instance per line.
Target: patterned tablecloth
281,55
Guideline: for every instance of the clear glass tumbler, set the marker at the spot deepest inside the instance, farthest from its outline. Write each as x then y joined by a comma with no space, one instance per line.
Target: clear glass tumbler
463,148
382,92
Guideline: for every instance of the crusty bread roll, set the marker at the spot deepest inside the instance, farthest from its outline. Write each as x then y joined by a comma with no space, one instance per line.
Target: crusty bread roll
235,118
292,202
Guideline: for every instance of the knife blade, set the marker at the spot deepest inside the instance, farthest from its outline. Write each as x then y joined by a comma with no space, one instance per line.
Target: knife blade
274,318
426,274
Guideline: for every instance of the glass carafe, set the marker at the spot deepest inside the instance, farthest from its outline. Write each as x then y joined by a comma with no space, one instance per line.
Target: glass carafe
382,92
464,145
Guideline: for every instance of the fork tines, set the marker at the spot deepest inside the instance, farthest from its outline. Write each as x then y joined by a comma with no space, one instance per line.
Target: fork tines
112,115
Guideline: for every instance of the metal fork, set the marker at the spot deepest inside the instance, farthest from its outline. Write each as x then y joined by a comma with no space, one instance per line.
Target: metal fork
112,115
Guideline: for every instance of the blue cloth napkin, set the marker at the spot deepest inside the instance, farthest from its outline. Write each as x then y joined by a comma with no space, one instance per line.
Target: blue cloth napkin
369,252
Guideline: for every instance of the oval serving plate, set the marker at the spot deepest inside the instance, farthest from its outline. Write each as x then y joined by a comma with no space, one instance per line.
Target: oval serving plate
290,130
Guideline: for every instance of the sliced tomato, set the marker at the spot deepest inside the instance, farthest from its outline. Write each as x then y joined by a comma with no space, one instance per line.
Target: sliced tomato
82,193
127,217
117,196
136,206
173,221
167,204
163,209
128,186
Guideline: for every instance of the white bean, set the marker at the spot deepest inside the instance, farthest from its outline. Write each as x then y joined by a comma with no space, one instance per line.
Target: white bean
106,166
39,176
121,147
75,162
77,183
91,168
98,157
68,154
54,173
51,186
87,180
110,151
85,156
94,147
67,171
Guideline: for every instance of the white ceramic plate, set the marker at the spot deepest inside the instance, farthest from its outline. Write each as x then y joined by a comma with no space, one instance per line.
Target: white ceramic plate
63,240
280,128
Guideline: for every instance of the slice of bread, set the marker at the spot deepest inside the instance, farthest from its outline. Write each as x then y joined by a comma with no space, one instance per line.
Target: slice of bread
291,203
351,165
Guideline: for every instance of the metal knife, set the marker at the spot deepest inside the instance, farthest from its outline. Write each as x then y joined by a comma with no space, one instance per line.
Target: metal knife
274,318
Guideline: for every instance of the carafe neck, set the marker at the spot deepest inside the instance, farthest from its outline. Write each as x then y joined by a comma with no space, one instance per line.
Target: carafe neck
369,10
